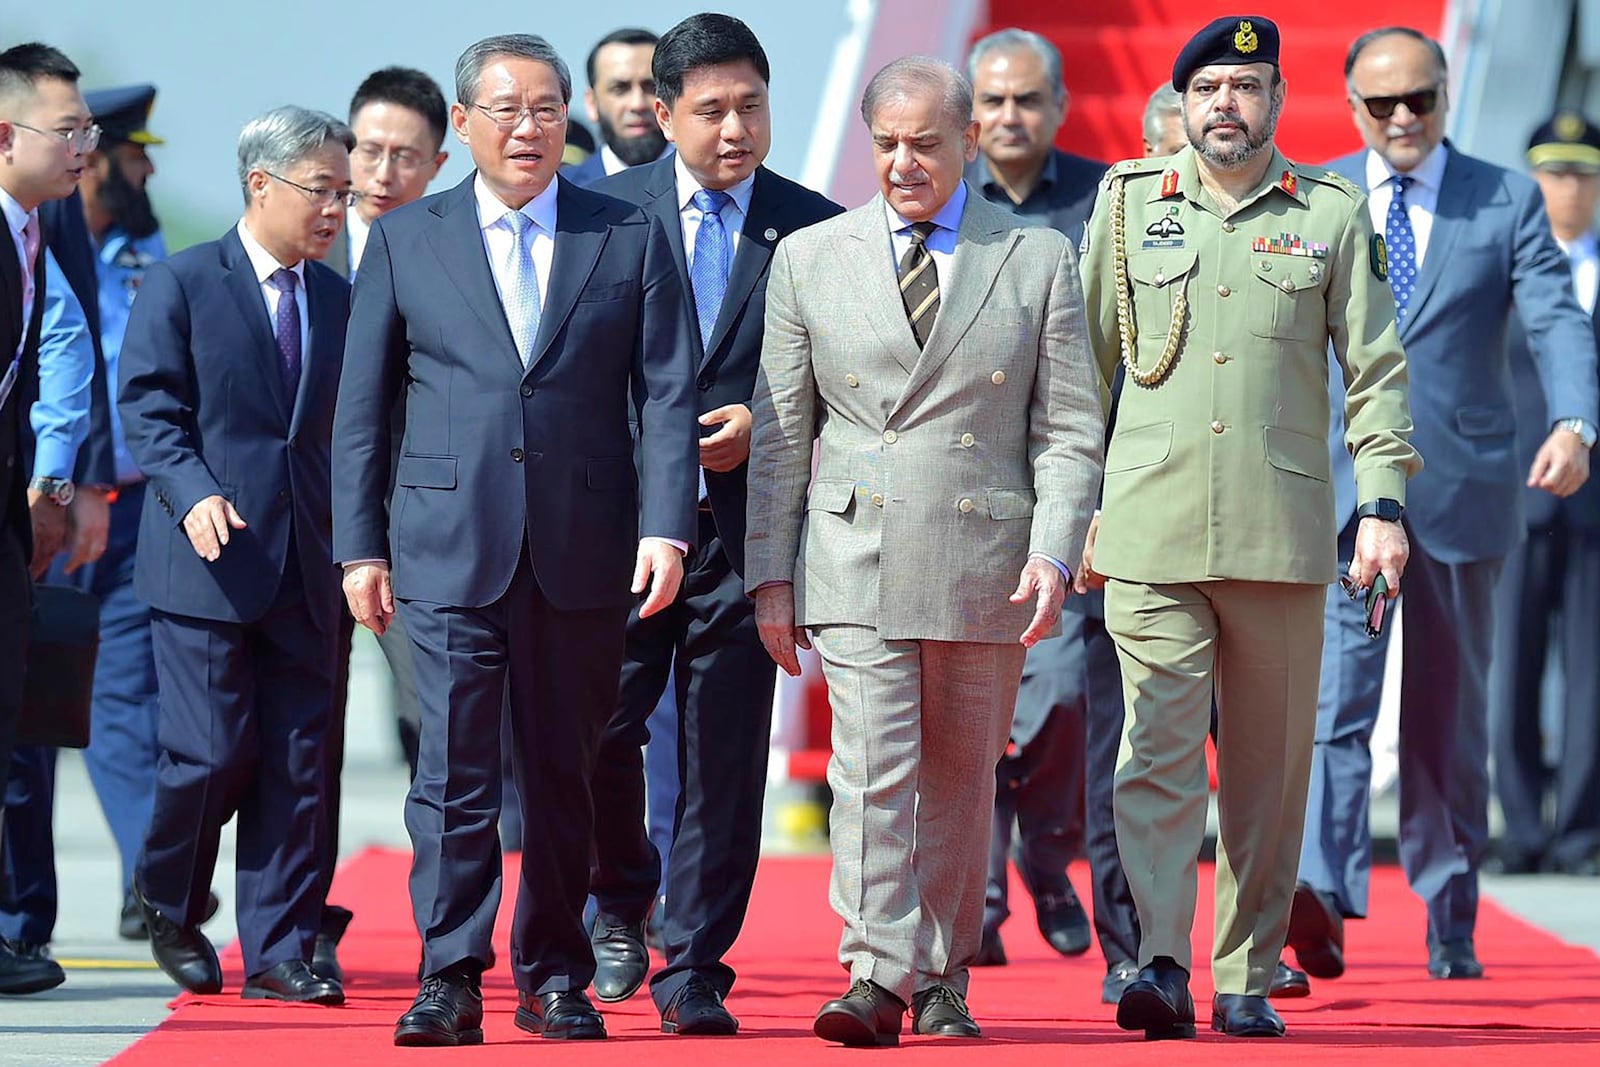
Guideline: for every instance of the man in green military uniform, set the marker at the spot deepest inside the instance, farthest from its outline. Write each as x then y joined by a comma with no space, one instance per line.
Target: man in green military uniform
1218,277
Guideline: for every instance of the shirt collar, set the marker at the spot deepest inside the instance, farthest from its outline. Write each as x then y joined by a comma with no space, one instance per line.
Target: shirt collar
991,182
688,185
1585,247
946,218
1430,172
1185,165
264,263
16,215
541,209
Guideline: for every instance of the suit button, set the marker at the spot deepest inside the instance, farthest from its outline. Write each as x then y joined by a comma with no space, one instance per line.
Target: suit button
1227,227
1220,357
1217,427
706,382
998,377
851,380
283,494
1223,290
527,390
965,506
516,455
890,437
967,440
877,500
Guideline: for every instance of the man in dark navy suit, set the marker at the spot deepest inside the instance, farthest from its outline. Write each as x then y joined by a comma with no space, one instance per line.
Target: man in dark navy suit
723,213
519,313
230,370
1549,595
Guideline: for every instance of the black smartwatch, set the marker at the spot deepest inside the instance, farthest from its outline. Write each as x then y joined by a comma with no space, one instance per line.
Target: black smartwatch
1382,508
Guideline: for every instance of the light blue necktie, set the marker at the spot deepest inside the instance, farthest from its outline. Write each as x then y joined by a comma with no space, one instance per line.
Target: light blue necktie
519,284
709,274
1402,242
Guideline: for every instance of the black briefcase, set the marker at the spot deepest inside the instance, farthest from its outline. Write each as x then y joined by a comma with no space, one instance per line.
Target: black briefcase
58,688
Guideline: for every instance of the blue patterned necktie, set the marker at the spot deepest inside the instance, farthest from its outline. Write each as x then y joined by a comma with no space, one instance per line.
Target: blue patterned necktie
708,276
1402,242
287,331
519,285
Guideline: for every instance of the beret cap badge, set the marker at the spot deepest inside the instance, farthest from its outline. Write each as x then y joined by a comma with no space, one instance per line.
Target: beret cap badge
1244,39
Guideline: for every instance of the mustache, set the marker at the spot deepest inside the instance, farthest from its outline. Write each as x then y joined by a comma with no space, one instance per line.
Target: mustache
900,177
1233,120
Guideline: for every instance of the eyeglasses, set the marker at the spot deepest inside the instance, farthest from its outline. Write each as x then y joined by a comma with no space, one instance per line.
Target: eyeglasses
1419,103
321,197
81,141
405,160
507,118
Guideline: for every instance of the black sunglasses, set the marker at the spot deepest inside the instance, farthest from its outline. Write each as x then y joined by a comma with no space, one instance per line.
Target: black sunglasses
1377,606
1418,103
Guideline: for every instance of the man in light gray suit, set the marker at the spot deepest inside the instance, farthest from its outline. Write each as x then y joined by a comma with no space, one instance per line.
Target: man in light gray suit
937,349
1465,241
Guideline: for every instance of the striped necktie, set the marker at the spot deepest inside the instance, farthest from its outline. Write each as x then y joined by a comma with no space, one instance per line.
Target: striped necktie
919,283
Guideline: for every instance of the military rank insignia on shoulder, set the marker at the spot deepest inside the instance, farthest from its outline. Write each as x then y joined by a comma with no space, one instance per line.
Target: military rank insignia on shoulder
1335,179
1380,258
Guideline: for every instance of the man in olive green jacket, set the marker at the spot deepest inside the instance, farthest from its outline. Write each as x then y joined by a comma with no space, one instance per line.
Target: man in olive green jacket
1219,277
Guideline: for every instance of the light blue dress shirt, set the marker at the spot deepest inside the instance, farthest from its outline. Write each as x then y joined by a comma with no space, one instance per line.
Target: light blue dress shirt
60,417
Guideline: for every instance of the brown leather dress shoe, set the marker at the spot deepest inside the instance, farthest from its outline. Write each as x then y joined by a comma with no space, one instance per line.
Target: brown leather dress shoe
867,1016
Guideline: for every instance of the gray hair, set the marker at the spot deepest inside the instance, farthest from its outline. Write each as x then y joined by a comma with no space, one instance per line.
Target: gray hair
918,76
469,68
1015,40
283,137
1164,101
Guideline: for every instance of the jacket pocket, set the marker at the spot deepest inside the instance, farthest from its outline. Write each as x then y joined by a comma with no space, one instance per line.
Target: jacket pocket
831,496
426,472
1297,453
1011,503
1142,446
1485,422
1157,278
1285,299
610,475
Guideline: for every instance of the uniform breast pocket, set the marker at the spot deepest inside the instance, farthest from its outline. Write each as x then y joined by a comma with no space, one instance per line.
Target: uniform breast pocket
1285,300
1156,278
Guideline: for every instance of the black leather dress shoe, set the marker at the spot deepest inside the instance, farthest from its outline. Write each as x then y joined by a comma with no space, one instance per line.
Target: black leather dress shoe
991,950
1063,923
1238,1015
1316,933
697,1009
621,962
564,1016
130,922
941,1011
294,981
866,1016
1157,1001
26,968
1289,983
1454,959
1118,975
448,1011
182,952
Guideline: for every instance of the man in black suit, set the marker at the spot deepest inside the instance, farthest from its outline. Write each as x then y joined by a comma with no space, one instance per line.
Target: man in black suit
230,368
723,212
45,131
519,313
1550,591
621,103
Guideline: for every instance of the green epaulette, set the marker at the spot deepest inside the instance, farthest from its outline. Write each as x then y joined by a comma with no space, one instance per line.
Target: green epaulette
1322,176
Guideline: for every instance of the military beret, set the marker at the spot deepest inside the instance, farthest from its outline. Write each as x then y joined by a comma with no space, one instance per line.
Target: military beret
1236,39
123,112
1566,141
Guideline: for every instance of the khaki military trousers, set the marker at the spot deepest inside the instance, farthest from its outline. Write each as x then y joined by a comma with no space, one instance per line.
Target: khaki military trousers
1260,645
918,727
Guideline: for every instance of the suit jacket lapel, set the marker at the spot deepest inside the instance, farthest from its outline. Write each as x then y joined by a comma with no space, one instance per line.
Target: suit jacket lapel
246,290
987,236
458,240
322,339
11,282
755,252
578,241
1449,219
879,284
662,202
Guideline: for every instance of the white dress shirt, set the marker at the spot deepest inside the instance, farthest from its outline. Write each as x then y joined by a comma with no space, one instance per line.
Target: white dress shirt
613,162
498,235
733,215
1422,199
356,230
265,265
16,218
1585,256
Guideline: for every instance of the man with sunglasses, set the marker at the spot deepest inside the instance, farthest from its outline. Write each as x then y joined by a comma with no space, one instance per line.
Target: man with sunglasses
1465,240
229,371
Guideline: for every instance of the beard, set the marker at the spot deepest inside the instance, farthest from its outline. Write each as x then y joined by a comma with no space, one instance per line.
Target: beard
633,151
1233,156
128,206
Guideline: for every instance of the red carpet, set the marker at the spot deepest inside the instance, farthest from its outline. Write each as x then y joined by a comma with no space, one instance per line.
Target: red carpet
1541,999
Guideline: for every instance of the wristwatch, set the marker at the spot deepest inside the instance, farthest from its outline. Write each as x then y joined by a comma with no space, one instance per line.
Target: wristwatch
1382,508
60,490
1581,427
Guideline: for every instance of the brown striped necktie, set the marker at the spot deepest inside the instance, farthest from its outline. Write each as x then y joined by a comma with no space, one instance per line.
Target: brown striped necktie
919,283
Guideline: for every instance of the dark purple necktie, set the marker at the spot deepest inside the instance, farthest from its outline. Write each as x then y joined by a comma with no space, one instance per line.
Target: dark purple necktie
288,331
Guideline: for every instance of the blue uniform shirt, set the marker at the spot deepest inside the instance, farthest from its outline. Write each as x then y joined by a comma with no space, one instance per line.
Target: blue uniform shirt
123,261
60,417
